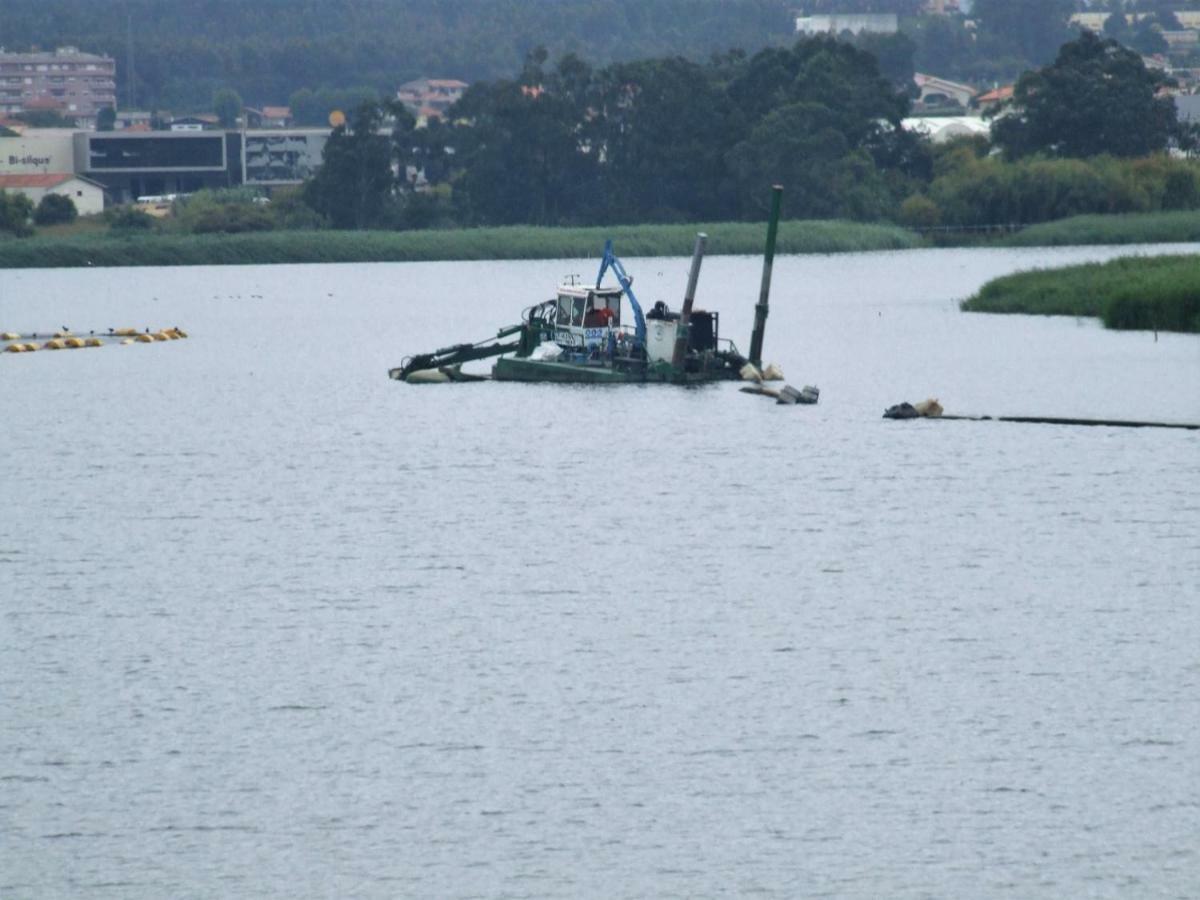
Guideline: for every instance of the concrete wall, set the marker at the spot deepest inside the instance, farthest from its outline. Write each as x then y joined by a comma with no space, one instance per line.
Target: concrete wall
38,151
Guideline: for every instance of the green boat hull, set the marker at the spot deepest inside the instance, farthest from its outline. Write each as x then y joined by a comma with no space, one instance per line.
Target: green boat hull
509,368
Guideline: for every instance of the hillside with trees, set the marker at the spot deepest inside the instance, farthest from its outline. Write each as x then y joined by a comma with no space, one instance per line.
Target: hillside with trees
185,50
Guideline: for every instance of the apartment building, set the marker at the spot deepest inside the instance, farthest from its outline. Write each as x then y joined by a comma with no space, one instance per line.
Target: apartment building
78,84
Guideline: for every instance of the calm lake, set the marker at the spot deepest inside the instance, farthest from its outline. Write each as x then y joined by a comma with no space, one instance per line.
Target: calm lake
272,625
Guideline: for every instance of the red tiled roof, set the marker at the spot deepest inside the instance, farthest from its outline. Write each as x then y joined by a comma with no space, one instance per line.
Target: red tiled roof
34,181
1003,93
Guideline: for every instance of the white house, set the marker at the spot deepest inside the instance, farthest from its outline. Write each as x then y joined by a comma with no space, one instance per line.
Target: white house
874,23
941,129
87,195
935,92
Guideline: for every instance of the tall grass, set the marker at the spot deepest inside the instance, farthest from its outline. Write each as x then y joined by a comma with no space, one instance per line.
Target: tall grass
1132,228
477,243
1161,293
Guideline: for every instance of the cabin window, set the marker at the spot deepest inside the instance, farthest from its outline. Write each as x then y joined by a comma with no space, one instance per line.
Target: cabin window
614,304
577,312
564,310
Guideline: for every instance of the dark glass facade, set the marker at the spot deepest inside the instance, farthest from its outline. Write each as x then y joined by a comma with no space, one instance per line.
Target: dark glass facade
158,153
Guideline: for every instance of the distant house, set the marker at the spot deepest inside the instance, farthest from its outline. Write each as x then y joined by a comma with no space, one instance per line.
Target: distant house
87,195
128,118
871,23
940,129
194,123
429,98
942,7
269,117
993,98
1092,21
939,93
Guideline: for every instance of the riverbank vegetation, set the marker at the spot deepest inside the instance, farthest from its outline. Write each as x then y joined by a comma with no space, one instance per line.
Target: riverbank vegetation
1149,228
1160,293
516,242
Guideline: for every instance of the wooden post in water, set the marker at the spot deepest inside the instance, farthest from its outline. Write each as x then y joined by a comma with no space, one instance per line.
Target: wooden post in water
760,308
681,330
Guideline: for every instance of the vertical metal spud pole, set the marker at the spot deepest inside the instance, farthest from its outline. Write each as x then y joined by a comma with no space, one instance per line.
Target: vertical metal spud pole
685,317
761,308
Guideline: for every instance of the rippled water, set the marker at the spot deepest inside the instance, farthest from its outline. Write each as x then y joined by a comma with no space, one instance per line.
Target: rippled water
274,626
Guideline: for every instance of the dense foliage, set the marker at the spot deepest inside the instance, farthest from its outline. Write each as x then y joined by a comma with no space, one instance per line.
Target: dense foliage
654,140
15,210
673,140
1097,97
973,189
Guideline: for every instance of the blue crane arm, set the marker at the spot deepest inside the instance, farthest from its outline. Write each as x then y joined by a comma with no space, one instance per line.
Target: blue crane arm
610,261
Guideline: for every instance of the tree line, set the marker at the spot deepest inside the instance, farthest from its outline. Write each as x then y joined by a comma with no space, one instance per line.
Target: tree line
670,140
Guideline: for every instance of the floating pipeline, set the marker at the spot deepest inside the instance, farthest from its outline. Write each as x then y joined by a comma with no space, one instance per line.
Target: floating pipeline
65,339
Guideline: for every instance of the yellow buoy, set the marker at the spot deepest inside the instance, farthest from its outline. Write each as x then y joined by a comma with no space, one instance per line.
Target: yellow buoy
145,339
160,336
55,344
30,348
180,332
9,336
93,342
73,342
15,348
126,332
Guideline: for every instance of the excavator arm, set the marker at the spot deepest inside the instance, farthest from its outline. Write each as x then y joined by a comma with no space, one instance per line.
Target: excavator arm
610,261
457,354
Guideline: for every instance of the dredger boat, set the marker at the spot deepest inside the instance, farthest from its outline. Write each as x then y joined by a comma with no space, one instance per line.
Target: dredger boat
582,336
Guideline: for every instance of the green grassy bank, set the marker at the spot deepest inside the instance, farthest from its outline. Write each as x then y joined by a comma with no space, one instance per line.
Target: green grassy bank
157,249
1132,228
1160,293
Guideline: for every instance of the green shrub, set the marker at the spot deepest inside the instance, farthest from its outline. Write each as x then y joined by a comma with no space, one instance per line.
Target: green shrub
974,191
55,209
15,210
228,211
918,211
129,219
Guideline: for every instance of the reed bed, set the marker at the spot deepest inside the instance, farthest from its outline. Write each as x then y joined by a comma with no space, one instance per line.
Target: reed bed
1130,228
1159,293
725,238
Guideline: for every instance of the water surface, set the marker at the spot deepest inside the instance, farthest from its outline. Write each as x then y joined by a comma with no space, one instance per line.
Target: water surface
274,626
